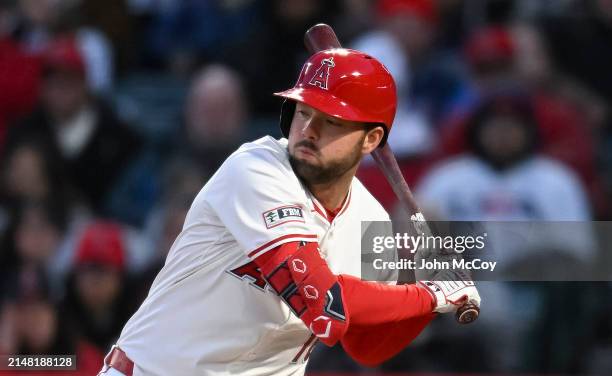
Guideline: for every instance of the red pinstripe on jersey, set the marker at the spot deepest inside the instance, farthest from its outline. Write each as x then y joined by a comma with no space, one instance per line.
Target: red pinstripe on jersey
281,240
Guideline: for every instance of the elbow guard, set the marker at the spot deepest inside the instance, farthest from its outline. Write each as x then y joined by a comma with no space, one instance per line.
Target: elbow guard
300,277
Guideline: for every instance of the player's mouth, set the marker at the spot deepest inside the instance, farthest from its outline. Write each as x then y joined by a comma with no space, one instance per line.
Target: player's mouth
306,148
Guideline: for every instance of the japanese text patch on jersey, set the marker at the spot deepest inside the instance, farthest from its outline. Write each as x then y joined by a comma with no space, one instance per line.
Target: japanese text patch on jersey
283,214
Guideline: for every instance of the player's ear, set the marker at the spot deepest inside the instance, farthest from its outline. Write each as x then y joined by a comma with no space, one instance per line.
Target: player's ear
373,137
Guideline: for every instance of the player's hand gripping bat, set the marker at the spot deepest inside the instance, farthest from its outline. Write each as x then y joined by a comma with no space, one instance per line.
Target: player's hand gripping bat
322,37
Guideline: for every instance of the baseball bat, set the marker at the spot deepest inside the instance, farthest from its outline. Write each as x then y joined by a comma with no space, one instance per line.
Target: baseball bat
322,37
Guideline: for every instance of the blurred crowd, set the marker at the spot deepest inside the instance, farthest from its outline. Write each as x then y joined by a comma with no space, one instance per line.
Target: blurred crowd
113,114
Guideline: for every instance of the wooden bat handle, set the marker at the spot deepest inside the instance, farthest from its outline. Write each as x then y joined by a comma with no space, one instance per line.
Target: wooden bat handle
388,164
322,37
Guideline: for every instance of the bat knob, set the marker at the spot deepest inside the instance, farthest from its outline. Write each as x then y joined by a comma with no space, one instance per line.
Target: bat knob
321,37
467,313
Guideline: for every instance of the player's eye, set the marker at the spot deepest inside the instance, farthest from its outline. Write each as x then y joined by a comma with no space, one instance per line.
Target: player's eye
334,123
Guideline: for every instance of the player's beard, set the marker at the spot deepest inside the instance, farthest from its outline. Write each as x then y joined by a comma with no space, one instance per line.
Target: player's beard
314,174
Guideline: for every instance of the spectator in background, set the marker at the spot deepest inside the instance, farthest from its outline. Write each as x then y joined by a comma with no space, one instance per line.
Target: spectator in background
493,56
43,21
25,174
32,243
19,72
33,179
82,131
503,177
216,117
96,301
40,329
30,171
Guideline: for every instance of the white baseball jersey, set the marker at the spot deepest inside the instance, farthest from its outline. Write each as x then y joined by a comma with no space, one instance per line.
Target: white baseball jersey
209,311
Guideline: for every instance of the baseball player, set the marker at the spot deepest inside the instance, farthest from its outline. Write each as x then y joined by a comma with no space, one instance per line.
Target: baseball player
268,262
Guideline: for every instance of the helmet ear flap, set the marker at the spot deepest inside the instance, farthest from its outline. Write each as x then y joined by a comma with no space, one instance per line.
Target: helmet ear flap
286,116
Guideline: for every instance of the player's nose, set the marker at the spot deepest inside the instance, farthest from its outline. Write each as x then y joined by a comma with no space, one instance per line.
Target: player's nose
311,128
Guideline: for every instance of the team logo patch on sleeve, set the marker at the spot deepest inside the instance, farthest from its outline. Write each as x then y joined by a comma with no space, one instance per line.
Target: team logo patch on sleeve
284,214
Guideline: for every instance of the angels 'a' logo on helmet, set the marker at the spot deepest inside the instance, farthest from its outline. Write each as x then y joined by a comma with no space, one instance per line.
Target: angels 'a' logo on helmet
321,76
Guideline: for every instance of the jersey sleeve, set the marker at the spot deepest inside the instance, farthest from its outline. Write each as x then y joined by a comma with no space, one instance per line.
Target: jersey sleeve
260,202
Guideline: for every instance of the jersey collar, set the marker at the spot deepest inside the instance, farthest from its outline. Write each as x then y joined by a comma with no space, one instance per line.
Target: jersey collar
318,209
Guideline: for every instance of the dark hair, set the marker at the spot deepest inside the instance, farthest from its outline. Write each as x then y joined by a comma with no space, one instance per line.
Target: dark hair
516,105
64,340
53,211
52,166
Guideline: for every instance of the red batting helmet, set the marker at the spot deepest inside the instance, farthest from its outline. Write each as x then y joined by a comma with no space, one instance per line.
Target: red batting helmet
344,83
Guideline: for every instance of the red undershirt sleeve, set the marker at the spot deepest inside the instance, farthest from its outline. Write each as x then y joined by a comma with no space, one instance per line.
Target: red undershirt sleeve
372,303
384,318
373,344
